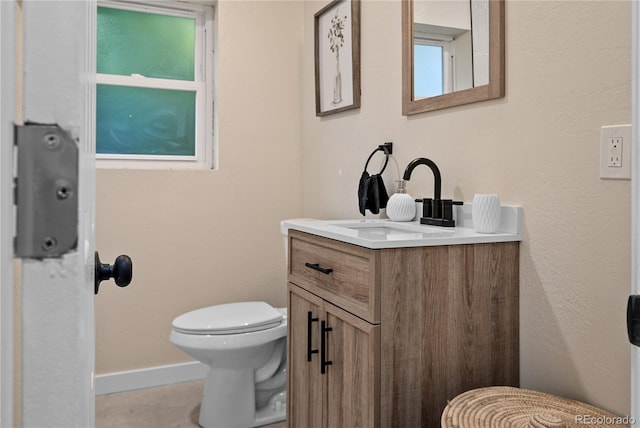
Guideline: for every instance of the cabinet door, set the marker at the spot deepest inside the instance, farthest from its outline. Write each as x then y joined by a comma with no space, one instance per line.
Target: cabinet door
304,397
352,380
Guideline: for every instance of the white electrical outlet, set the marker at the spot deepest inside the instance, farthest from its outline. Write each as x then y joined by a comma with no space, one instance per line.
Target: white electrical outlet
615,152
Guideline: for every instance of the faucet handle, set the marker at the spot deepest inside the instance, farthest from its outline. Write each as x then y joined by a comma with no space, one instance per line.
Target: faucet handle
447,208
427,207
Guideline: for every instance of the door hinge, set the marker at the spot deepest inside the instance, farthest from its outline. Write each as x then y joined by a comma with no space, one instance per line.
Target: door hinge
46,191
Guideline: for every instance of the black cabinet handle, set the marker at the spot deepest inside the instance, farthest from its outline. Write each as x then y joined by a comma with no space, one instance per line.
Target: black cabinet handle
633,319
316,266
310,320
323,347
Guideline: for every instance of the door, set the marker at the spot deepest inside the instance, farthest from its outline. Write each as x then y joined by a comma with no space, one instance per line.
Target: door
304,399
346,391
635,208
7,114
56,294
353,378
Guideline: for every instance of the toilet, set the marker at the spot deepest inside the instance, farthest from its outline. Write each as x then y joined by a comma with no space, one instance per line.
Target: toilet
244,345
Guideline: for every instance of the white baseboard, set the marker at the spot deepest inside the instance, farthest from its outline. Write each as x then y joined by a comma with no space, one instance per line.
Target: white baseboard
109,383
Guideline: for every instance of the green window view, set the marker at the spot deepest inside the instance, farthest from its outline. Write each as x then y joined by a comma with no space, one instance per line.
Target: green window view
428,70
144,105
144,121
143,43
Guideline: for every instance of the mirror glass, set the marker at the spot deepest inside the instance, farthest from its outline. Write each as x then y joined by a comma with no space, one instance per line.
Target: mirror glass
453,53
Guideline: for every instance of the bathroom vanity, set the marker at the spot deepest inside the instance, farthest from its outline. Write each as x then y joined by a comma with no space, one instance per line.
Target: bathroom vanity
388,321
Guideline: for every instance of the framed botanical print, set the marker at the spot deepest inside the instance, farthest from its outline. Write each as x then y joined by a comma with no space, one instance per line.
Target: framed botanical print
337,57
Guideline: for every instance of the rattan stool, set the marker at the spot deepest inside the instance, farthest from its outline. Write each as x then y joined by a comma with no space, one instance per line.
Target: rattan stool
508,407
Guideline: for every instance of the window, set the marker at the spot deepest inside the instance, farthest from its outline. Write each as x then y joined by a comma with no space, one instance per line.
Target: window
428,70
154,93
432,58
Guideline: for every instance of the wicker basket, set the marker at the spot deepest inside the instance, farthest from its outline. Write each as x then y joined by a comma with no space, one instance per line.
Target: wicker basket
507,407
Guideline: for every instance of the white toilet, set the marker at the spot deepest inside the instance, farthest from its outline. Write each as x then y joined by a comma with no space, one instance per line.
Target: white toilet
244,345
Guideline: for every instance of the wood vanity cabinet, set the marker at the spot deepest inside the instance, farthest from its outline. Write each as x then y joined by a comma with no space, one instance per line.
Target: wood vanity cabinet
384,337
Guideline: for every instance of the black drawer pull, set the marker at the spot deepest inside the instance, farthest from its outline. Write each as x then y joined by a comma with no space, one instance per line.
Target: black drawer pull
323,347
310,320
316,266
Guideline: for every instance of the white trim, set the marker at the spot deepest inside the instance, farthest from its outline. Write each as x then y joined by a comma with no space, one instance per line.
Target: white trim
7,117
140,81
138,163
150,377
185,9
147,157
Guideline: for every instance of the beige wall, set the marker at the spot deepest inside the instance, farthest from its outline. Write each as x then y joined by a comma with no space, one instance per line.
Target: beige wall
568,73
200,238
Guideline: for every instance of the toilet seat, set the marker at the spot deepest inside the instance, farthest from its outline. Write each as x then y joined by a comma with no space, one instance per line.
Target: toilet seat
229,318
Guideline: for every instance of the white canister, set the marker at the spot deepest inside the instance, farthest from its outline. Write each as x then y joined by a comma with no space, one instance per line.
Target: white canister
485,213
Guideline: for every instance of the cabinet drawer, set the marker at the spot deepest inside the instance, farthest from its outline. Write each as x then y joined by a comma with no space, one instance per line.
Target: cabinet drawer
343,274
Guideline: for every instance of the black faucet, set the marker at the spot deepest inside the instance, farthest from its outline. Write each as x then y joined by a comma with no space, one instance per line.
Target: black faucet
437,178
436,211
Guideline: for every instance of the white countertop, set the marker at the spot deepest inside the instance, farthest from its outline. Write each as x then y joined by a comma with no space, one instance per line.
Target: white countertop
384,233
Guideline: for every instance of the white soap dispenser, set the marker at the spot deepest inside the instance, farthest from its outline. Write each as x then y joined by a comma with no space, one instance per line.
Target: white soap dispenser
401,206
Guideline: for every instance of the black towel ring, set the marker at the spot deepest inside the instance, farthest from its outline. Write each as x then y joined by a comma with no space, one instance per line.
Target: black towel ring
384,149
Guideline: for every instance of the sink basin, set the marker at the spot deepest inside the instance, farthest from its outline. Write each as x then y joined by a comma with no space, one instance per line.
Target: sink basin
371,231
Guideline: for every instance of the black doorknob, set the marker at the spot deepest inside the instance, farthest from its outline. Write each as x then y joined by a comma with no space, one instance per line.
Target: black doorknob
121,271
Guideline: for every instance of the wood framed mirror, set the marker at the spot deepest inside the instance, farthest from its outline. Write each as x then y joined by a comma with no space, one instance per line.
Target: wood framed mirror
452,53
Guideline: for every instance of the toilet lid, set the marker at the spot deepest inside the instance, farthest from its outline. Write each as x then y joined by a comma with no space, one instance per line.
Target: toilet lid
229,318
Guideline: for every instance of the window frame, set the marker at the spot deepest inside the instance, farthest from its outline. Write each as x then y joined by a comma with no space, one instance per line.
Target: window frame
202,85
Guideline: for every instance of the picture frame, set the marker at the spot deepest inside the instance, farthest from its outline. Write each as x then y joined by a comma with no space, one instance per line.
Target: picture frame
337,57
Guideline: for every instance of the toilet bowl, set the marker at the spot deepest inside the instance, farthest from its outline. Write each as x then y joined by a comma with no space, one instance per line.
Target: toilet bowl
244,346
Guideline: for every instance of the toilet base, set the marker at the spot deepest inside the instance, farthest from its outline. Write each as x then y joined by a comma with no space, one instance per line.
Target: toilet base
233,406
274,411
